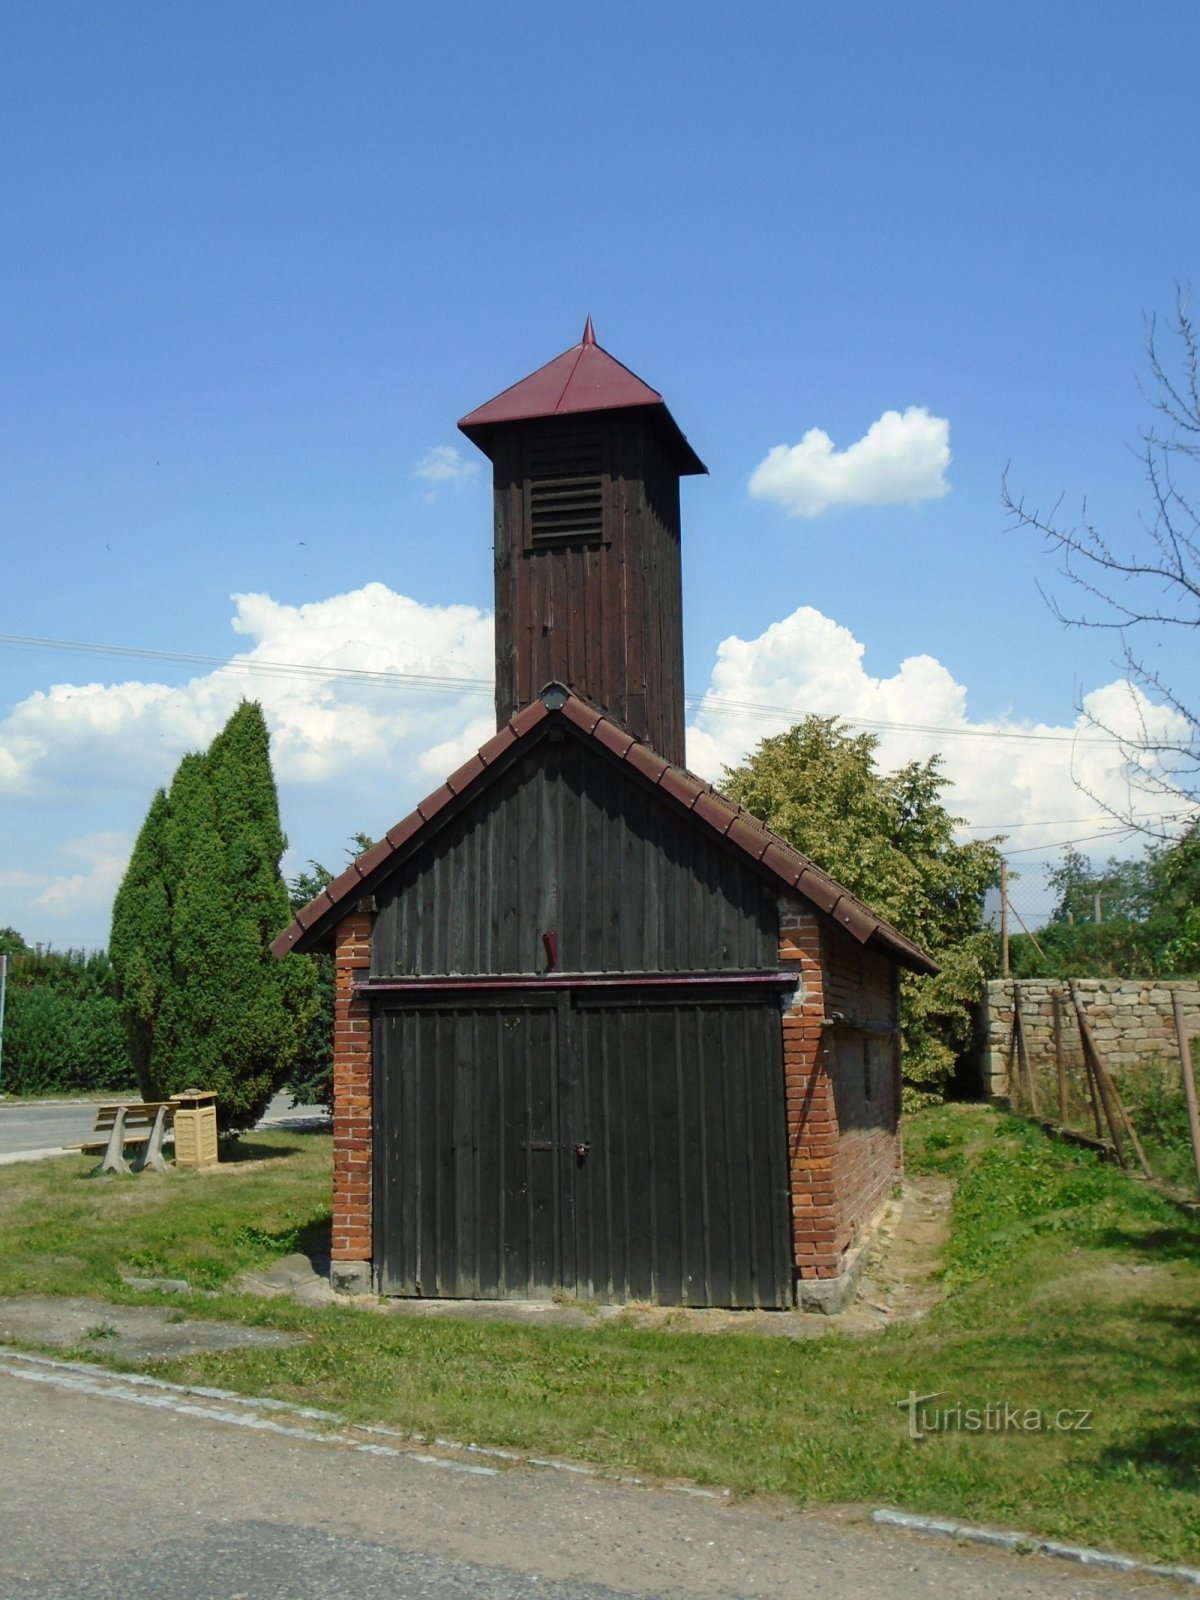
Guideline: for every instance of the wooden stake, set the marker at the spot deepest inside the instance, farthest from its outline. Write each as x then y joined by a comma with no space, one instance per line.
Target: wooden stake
1088,1077
1189,1081
1022,1052
1059,1060
1092,1055
1013,1082
1129,1127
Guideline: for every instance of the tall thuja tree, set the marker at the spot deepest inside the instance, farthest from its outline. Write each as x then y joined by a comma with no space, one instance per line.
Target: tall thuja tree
229,1017
140,941
889,839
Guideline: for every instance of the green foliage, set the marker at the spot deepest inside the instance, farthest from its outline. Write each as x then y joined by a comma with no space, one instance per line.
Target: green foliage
1154,1098
889,839
11,942
1126,889
205,1003
140,940
1150,911
62,1025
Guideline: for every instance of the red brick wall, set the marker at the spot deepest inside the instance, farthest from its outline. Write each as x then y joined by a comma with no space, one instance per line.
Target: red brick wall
811,1116
351,1095
843,1144
860,984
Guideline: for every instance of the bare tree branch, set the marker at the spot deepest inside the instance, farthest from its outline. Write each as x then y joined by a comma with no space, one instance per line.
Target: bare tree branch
1152,587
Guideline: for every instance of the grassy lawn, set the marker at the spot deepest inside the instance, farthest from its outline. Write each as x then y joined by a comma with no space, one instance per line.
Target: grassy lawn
1069,1288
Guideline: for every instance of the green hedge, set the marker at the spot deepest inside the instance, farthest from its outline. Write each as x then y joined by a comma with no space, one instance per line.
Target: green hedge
62,1028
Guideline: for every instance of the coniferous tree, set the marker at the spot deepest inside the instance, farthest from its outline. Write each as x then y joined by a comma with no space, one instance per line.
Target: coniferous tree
140,940
209,1005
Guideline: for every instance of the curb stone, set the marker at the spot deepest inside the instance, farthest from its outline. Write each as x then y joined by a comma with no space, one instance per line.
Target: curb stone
1003,1539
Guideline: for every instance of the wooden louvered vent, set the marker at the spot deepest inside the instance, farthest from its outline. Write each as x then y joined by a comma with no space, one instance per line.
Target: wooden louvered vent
566,489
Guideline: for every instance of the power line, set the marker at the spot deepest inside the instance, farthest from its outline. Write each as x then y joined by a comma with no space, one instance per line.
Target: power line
446,683
1065,844
1066,822
281,669
738,707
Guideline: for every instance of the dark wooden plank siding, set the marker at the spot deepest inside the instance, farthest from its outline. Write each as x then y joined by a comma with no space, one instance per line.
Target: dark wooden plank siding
564,841
602,616
630,1152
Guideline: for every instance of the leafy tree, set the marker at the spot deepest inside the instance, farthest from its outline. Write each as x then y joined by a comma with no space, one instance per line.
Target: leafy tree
1150,917
11,942
1177,881
205,1003
1126,889
889,839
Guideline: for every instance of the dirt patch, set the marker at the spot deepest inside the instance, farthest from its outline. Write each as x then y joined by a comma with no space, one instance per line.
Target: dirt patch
899,1284
901,1281
141,1333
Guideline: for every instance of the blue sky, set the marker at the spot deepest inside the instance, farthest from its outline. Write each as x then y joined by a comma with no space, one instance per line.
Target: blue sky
258,258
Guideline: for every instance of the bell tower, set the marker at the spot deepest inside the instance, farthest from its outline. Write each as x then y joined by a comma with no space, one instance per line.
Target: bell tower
586,461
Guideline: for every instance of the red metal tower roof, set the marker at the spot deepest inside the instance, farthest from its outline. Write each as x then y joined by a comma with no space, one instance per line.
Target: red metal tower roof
584,378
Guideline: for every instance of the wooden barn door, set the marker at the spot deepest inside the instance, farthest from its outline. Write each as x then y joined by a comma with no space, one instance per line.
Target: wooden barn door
628,1152
683,1198
467,1177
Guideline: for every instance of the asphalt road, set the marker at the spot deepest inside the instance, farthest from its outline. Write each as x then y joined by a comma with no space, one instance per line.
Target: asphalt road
48,1126
108,1491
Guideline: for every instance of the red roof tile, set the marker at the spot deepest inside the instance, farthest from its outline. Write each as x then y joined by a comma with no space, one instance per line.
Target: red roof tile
466,774
584,378
792,870
497,745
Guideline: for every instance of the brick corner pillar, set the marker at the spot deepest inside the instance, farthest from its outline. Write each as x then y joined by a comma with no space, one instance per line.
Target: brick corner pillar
812,1127
351,1253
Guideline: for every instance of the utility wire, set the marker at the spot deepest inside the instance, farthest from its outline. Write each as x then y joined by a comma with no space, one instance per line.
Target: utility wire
448,684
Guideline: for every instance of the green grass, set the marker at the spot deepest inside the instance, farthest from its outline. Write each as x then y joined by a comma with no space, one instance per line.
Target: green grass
1068,1287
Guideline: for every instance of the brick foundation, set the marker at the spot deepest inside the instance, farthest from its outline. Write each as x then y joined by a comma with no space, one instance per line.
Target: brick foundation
351,1097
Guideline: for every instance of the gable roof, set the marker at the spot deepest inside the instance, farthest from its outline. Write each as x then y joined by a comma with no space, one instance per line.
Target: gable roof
584,378
773,856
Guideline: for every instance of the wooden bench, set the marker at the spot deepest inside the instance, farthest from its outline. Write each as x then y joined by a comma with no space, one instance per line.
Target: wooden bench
135,1123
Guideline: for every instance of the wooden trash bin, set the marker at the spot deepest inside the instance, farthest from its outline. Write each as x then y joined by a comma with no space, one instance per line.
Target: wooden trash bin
195,1128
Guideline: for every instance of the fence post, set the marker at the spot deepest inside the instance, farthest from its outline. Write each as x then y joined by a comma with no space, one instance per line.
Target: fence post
1189,1082
1022,1051
1059,1063
1100,1077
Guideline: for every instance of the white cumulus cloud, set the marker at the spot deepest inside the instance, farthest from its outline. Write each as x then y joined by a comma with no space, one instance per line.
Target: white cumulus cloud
1017,776
358,691
902,458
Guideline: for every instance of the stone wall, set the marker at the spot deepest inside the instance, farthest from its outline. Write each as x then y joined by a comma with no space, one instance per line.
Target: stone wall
1130,1020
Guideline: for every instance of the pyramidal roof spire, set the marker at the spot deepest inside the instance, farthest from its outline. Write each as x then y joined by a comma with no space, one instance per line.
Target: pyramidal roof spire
584,378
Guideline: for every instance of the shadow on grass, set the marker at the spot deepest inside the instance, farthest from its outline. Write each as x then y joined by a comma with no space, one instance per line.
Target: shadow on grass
235,1150
1162,1244
315,1240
